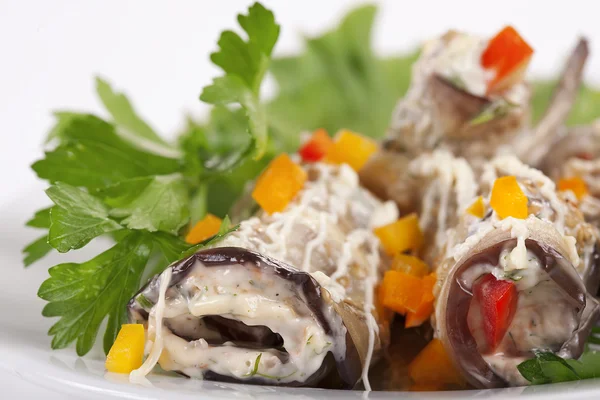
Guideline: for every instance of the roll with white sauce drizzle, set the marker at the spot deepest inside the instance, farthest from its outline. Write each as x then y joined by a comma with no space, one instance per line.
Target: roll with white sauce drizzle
287,299
545,268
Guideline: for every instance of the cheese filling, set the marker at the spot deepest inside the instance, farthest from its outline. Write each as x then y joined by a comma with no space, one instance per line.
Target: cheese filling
235,321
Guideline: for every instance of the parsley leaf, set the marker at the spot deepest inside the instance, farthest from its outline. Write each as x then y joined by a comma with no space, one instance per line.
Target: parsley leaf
63,119
92,154
338,83
157,203
547,367
36,250
497,109
123,114
77,218
245,64
84,294
170,246
41,219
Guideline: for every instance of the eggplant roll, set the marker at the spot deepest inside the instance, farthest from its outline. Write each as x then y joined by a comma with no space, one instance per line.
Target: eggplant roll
547,266
287,299
449,88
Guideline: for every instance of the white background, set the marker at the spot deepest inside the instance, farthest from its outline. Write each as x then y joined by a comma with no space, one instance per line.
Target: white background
158,52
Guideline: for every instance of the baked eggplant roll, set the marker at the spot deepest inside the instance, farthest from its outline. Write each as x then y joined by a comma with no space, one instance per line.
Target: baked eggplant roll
287,299
510,286
454,103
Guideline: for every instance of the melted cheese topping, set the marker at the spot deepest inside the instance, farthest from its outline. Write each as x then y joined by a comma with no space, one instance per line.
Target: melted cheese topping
139,375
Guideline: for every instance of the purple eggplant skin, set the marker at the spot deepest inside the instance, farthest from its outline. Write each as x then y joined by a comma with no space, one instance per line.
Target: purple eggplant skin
461,344
338,374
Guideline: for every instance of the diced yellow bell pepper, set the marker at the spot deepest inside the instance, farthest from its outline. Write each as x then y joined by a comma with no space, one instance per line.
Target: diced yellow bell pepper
352,149
410,265
575,184
127,353
204,229
401,292
507,199
278,184
402,235
433,366
477,209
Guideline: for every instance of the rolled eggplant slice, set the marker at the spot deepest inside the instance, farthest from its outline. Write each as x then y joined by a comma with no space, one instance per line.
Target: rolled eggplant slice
287,299
509,287
554,311
448,93
233,314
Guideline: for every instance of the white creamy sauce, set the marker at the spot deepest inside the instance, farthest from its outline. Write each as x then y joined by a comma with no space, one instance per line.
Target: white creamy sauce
446,173
156,316
336,291
517,258
461,61
317,241
255,298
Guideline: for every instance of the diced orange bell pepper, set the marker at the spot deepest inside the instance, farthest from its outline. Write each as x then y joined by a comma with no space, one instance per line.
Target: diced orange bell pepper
507,199
316,147
433,366
404,234
127,353
204,229
401,292
352,149
385,314
278,184
477,209
410,265
508,55
575,184
425,308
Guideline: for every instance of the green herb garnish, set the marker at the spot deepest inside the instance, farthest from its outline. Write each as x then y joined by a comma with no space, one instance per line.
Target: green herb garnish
120,179
254,370
497,109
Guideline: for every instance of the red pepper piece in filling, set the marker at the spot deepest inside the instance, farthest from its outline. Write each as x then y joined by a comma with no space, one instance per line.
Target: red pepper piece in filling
316,147
507,54
498,300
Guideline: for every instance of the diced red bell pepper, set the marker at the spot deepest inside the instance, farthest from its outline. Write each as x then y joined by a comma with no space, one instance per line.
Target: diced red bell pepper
498,300
316,147
508,55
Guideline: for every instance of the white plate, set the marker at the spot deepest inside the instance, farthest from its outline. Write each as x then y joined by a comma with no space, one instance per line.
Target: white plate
43,73
25,353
